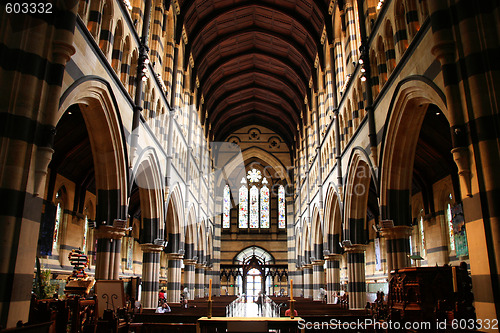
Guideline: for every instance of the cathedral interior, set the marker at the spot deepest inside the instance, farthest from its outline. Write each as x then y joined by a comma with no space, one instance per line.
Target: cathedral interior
225,148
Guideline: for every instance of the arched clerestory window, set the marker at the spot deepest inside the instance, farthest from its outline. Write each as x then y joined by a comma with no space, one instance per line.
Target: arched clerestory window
58,220
281,208
449,224
243,216
264,205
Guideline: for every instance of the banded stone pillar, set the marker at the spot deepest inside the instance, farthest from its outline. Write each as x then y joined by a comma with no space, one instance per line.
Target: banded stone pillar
189,276
150,275
318,278
397,247
298,282
307,281
174,261
200,280
29,113
108,256
356,286
208,276
332,276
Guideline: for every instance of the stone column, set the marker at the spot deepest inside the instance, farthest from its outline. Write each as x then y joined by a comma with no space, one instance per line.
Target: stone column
189,276
108,256
208,276
332,276
150,275
200,280
397,247
308,275
298,283
356,285
318,278
174,277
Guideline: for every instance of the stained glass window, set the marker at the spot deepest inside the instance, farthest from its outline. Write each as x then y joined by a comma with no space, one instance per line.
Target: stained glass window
264,207
449,220
226,219
130,253
85,234
281,207
243,218
254,207
422,236
57,226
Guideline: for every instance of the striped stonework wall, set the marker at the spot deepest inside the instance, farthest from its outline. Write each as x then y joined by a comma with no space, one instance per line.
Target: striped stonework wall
339,63
308,281
318,278
156,36
470,74
216,284
332,276
200,280
108,257
352,35
397,246
411,16
298,282
400,35
189,276
26,138
137,14
174,277
150,275
356,285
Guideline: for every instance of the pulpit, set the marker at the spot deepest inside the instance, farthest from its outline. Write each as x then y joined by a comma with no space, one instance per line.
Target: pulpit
422,293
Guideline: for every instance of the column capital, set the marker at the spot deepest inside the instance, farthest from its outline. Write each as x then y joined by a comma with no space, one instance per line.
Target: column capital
151,248
400,231
107,231
318,262
356,248
200,266
189,262
307,266
444,51
332,257
174,256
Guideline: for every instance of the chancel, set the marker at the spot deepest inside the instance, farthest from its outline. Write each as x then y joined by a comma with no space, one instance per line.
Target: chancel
251,165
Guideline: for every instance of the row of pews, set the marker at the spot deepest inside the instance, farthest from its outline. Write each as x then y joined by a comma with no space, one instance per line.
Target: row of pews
180,319
327,317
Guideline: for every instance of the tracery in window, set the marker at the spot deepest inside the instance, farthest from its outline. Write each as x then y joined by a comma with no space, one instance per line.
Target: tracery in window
281,207
254,207
243,217
264,205
254,176
226,219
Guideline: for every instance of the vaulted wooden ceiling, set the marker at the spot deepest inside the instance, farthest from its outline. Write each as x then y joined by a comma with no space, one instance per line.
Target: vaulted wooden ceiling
254,59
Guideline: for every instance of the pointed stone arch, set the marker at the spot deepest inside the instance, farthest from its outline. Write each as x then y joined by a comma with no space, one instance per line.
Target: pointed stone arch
401,132
333,220
356,192
105,129
174,222
150,181
317,234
